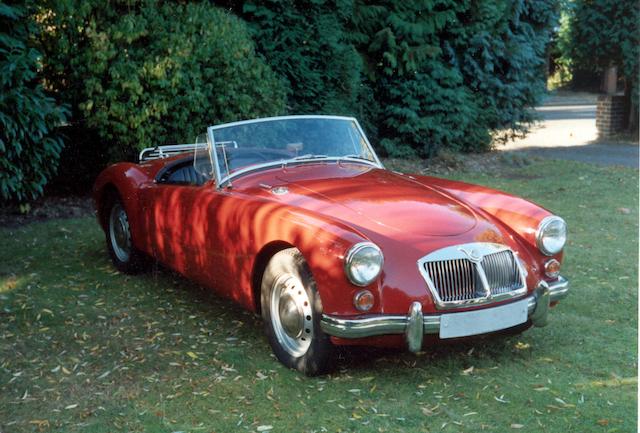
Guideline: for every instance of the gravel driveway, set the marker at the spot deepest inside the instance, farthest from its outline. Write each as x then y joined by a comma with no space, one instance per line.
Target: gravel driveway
567,130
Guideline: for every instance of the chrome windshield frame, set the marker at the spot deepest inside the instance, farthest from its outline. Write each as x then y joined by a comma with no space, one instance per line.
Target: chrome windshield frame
226,180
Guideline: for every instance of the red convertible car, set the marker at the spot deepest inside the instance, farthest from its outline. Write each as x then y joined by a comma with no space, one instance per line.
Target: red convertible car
296,218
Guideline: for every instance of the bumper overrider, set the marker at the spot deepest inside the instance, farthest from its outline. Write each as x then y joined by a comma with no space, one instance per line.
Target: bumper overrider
416,324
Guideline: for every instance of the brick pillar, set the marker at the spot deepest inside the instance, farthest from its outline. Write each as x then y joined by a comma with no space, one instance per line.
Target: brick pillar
610,115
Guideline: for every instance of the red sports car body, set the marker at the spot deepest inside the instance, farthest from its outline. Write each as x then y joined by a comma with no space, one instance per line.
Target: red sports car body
332,248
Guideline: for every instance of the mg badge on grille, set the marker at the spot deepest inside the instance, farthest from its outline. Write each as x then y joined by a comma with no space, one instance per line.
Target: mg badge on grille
472,255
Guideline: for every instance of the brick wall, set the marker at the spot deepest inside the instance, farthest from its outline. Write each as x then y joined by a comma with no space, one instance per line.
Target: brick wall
610,115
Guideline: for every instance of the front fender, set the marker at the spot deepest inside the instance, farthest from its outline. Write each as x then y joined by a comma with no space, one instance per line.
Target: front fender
126,179
251,226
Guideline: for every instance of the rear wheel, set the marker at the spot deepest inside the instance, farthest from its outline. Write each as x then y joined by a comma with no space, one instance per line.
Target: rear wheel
291,310
124,255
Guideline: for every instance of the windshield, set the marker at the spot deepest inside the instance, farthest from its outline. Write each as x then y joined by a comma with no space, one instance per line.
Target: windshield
249,145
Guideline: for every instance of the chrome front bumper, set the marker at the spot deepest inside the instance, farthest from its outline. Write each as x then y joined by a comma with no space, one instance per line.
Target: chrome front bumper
415,324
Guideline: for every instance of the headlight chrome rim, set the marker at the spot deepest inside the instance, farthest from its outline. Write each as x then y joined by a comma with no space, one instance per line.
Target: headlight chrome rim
351,253
544,224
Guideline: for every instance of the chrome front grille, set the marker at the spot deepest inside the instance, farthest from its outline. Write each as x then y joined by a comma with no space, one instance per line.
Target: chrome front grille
455,280
502,272
472,273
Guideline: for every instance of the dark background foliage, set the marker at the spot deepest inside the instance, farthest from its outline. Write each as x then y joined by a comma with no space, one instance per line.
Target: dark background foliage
29,144
421,76
145,73
603,33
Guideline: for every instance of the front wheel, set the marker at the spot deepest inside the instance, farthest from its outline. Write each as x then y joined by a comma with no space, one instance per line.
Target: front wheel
291,311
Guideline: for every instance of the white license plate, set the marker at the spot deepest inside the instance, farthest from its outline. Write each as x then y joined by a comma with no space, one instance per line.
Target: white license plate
467,323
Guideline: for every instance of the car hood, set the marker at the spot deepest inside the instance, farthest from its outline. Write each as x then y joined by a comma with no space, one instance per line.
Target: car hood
376,200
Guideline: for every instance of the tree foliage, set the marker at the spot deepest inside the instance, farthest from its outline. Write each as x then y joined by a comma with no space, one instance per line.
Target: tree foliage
603,33
421,75
142,73
427,74
29,145
307,44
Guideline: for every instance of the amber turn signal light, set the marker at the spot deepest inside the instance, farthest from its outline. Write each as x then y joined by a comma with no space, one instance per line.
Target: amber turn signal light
363,300
552,268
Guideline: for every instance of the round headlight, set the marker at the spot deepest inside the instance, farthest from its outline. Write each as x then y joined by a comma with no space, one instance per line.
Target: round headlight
363,263
551,235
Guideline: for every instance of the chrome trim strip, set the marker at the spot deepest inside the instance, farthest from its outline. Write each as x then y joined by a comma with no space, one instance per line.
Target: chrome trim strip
366,327
159,152
397,324
474,252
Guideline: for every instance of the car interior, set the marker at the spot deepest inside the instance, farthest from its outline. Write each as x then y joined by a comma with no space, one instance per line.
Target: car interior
184,172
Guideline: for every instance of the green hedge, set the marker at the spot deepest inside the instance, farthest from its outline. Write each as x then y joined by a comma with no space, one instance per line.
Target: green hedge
602,33
306,43
142,73
29,146
423,75
420,75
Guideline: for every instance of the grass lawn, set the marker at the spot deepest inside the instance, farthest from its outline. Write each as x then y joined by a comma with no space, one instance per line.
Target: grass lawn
85,348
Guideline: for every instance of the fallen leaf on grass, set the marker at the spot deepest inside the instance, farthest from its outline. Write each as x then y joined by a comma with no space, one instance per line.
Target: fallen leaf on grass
192,355
427,412
500,399
624,381
517,425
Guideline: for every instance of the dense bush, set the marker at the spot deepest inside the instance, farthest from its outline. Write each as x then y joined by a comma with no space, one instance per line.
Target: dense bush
450,74
144,72
429,74
603,33
29,149
425,105
307,44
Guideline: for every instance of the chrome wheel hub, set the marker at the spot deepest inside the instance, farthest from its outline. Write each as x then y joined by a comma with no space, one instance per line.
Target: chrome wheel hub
119,233
291,314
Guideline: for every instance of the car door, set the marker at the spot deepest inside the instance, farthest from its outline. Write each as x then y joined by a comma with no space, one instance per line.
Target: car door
181,214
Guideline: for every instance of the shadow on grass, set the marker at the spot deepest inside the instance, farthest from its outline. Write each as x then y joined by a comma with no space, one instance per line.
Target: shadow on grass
211,307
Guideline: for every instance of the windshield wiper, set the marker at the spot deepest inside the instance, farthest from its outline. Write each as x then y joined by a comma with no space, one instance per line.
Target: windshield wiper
309,156
356,157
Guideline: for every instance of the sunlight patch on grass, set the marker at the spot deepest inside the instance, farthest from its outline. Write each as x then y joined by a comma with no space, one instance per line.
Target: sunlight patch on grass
10,283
